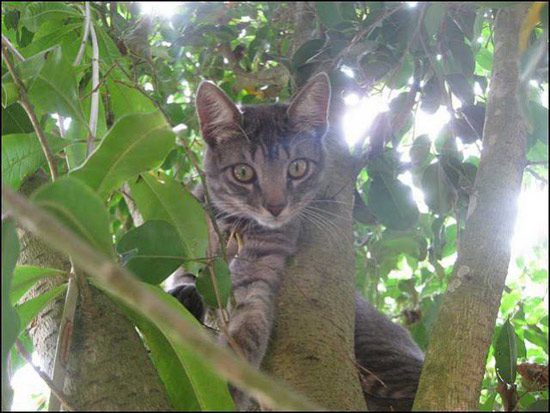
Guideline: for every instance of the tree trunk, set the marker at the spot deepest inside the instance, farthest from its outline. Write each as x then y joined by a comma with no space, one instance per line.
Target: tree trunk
108,366
460,339
312,343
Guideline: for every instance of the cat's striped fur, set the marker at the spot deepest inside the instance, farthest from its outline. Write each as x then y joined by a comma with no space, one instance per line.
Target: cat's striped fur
265,212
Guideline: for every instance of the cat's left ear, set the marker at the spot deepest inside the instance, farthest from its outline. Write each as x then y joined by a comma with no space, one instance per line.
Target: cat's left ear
309,108
219,117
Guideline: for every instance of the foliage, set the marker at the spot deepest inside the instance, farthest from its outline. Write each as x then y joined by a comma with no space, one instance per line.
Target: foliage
422,59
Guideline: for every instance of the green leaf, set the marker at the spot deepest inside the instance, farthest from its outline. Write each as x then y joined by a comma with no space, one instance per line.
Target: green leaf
165,199
155,250
223,283
200,384
22,155
432,96
420,150
328,13
463,57
10,320
433,18
540,405
392,203
127,100
136,143
169,367
37,13
54,88
25,276
537,116
506,353
439,193
307,51
484,59
79,208
536,336
15,120
461,87
31,308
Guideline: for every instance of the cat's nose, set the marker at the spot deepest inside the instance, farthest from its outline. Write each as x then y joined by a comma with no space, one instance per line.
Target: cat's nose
275,209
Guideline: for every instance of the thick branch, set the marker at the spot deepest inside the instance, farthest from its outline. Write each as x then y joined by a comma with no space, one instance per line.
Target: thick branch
460,339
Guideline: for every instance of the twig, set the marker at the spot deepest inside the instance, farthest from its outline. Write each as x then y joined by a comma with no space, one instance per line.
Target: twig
361,34
537,175
54,389
528,163
24,101
94,105
120,283
101,81
87,22
12,48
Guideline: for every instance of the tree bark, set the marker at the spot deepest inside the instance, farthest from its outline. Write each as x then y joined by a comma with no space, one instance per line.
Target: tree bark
460,339
108,366
311,346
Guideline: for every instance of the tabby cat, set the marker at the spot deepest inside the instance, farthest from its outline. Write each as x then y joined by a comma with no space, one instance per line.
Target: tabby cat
263,166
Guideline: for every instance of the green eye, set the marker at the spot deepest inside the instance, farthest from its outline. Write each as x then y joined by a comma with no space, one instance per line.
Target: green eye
298,168
243,173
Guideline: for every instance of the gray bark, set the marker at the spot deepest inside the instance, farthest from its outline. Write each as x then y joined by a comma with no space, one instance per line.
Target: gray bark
460,339
312,343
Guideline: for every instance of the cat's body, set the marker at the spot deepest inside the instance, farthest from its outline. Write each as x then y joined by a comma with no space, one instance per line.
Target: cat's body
264,166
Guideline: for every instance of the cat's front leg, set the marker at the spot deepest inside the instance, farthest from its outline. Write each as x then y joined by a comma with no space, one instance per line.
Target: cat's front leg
256,281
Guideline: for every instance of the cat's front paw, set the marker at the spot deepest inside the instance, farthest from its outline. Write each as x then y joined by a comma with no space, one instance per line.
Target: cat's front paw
243,402
188,295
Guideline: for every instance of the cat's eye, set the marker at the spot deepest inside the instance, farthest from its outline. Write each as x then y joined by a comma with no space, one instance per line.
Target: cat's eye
298,168
243,173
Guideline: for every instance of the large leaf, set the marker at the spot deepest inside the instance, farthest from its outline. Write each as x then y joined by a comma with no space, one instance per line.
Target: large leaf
39,12
190,382
329,13
433,17
15,120
169,367
439,193
54,89
136,143
25,276
22,155
219,272
165,199
31,308
154,251
10,320
506,353
79,208
126,100
392,202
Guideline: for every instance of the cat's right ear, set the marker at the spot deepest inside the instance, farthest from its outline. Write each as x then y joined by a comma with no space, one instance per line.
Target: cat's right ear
219,117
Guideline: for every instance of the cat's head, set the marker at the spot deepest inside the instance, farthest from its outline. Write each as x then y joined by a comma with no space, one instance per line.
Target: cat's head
264,162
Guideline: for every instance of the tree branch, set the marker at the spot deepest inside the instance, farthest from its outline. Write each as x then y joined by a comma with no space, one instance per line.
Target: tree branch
12,48
87,22
24,100
120,283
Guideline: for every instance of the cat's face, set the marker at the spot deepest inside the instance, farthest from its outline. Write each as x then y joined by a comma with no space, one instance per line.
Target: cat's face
264,162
